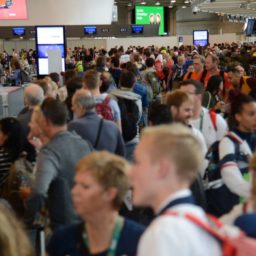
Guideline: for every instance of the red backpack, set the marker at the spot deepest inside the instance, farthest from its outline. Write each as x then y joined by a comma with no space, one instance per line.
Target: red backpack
213,117
104,110
233,241
159,70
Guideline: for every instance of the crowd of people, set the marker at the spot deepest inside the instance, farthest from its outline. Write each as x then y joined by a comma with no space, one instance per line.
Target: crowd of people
122,152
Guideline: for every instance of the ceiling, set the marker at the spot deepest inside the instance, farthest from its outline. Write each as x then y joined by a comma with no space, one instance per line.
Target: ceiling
237,8
244,8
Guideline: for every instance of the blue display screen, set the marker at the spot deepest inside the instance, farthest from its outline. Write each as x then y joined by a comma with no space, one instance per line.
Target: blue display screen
250,29
90,30
43,50
200,37
19,31
137,29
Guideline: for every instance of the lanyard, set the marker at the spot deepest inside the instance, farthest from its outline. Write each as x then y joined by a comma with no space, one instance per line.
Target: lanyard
115,237
201,120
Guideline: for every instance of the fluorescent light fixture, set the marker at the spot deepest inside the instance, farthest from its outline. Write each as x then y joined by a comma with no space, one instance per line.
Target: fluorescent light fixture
143,2
173,1
186,2
129,4
157,3
183,6
170,6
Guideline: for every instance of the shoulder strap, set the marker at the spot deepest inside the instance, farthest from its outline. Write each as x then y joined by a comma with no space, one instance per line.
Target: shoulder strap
107,100
189,75
236,142
209,101
222,75
98,134
205,226
234,138
213,117
203,76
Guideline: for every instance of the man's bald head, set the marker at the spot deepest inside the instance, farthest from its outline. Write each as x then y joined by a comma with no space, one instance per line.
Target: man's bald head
33,95
84,99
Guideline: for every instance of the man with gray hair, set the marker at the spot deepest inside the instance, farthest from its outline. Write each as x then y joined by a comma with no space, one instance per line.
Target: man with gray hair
101,133
33,96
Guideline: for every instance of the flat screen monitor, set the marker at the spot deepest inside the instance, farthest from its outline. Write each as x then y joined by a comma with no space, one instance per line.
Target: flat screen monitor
13,10
50,40
90,30
137,29
150,15
200,37
19,31
250,27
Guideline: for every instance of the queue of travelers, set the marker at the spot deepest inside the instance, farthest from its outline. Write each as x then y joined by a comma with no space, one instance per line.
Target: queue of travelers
126,152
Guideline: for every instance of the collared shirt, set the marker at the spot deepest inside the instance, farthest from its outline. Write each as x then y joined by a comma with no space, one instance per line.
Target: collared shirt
176,235
179,194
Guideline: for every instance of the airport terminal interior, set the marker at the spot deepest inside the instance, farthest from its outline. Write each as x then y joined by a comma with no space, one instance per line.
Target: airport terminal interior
127,127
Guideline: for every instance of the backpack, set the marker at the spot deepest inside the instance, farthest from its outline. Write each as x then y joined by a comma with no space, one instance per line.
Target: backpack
219,198
159,69
104,110
154,83
24,77
213,117
21,176
233,241
178,73
129,118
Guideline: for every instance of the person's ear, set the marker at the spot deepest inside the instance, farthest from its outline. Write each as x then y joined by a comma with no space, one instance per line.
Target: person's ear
165,168
238,117
174,111
110,194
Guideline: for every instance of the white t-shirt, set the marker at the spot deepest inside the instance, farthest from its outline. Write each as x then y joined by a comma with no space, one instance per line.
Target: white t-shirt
201,140
205,125
175,235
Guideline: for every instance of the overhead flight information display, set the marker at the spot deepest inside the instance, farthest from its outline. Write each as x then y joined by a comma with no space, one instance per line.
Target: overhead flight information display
200,37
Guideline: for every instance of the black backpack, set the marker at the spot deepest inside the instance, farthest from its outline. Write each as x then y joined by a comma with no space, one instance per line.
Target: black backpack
178,73
219,198
129,118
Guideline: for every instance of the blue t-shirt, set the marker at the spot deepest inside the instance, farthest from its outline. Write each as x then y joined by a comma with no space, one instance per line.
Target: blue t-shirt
68,240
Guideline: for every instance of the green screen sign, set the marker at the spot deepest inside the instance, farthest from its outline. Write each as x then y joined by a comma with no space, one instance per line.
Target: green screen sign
150,15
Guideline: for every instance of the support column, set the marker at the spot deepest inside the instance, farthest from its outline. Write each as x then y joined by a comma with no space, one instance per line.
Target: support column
1,45
172,21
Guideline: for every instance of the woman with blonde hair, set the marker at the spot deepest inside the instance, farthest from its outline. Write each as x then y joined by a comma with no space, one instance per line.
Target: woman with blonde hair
36,136
100,186
13,239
